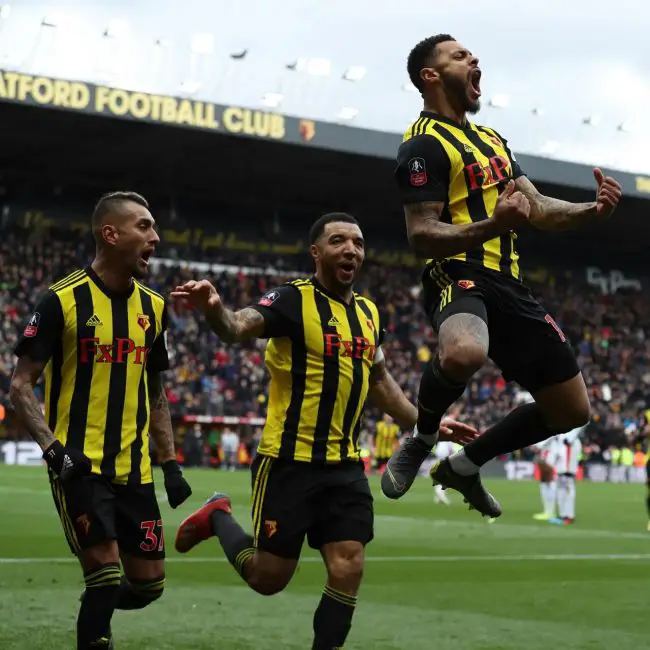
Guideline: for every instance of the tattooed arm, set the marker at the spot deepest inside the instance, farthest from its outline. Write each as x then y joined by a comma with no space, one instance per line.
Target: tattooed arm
547,213
235,326
229,326
272,316
160,422
389,398
162,434
23,399
430,237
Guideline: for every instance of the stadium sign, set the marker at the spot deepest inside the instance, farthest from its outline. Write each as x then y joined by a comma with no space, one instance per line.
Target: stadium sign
84,97
116,102
21,453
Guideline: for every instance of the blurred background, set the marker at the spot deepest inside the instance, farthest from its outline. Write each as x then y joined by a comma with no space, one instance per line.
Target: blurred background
243,122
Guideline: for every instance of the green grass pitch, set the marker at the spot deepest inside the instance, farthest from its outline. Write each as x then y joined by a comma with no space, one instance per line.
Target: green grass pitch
436,577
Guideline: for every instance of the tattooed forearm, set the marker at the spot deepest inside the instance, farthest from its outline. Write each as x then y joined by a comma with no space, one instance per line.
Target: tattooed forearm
430,237
233,327
23,399
389,398
547,213
160,421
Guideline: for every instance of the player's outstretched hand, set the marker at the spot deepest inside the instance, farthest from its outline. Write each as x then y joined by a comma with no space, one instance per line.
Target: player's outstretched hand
458,432
512,207
200,294
608,194
177,488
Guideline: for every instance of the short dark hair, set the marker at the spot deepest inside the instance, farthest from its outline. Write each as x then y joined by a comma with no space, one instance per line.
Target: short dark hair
318,228
422,55
110,202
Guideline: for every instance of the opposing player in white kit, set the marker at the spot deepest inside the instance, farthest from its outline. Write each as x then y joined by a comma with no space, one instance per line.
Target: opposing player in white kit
569,449
547,461
443,450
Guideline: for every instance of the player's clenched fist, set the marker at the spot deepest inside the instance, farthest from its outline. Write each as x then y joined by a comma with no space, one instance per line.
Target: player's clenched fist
512,208
608,194
200,294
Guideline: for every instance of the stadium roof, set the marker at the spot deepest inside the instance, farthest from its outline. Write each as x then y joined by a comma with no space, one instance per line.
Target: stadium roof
565,79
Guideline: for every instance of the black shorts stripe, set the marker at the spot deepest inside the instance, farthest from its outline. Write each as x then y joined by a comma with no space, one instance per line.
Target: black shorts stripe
330,383
84,371
298,382
259,489
62,510
116,392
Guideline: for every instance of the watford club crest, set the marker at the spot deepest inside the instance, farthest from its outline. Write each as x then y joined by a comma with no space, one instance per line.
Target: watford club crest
83,524
144,322
270,527
307,129
466,284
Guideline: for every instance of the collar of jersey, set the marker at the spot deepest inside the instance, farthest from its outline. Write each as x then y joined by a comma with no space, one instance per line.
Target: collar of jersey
104,289
328,293
441,118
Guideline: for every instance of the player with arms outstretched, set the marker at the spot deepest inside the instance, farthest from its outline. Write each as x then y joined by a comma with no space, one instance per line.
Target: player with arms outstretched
325,359
464,196
99,335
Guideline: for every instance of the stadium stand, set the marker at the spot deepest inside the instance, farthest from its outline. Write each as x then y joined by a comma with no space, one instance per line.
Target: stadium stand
611,333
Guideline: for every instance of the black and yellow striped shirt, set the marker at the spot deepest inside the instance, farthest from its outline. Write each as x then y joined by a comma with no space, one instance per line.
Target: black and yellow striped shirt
99,346
385,439
319,358
466,167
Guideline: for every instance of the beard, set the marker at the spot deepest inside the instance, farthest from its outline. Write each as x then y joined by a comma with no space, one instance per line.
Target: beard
457,89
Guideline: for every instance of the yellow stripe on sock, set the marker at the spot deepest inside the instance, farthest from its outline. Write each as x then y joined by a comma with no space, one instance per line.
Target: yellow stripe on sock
341,597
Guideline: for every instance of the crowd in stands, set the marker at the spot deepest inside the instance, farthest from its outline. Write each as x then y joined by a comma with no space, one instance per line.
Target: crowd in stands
611,335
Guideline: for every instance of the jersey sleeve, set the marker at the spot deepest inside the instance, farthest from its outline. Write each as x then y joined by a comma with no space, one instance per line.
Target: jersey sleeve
158,359
43,330
281,310
423,170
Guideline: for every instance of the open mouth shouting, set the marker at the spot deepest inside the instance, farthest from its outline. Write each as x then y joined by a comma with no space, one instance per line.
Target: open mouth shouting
347,269
475,84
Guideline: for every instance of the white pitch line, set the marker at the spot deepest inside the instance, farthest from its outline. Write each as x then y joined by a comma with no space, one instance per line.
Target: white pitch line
381,558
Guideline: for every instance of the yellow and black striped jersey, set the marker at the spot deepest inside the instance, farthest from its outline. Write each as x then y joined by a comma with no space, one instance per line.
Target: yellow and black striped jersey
386,439
466,167
99,346
319,358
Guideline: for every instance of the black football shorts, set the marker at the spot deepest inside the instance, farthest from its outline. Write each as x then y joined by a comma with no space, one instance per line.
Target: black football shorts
525,341
93,510
325,503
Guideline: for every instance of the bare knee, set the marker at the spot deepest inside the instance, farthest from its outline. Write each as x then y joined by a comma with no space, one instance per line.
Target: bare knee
345,561
461,359
99,555
266,585
565,406
573,418
269,574
464,343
